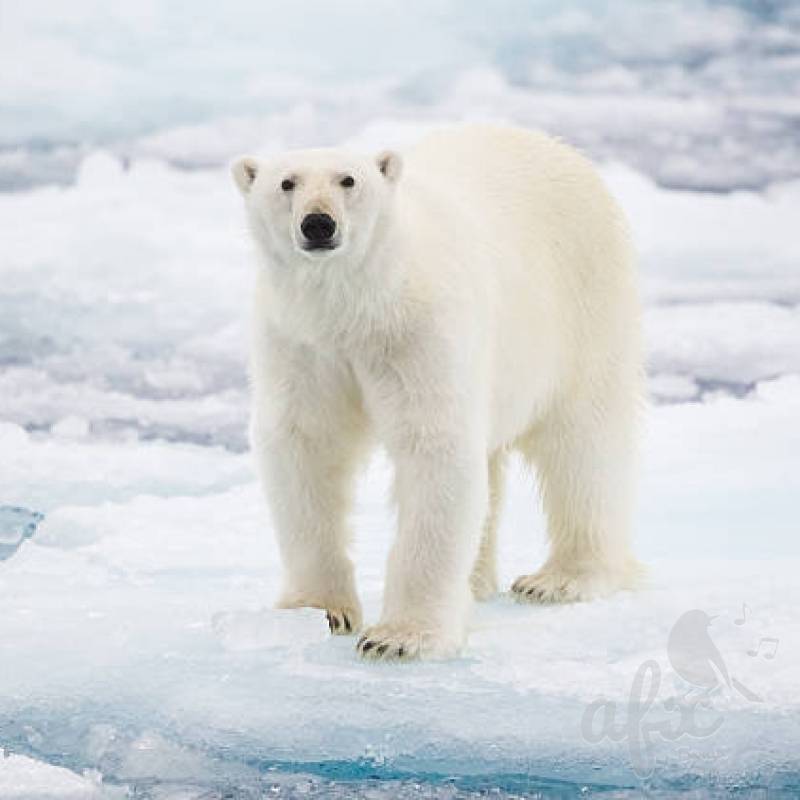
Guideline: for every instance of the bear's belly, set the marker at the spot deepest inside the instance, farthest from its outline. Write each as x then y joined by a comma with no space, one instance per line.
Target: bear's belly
521,393
527,361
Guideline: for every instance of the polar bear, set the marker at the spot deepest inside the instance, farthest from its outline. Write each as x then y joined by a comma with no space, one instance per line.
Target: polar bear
474,296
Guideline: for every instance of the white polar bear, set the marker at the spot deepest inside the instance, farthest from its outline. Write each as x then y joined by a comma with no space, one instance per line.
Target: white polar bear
476,296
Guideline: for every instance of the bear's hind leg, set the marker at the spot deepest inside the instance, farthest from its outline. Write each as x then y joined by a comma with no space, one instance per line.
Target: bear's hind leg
584,458
483,580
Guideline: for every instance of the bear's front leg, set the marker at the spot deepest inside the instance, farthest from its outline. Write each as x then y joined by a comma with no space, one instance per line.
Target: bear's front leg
308,434
441,489
308,487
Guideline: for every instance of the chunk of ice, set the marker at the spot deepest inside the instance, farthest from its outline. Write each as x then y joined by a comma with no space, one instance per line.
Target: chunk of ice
16,525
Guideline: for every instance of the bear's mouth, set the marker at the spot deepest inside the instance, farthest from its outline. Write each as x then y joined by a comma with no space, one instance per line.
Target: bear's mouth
328,244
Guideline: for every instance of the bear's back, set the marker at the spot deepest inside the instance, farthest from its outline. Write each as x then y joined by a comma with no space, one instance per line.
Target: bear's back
526,187
499,159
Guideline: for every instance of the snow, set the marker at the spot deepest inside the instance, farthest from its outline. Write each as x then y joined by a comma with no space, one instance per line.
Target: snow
139,652
170,362
708,102
725,342
149,582
23,778
144,644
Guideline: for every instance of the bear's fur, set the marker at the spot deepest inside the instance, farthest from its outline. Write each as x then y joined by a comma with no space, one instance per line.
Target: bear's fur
478,296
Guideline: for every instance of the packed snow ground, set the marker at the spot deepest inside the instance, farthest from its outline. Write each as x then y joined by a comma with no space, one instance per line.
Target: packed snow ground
139,641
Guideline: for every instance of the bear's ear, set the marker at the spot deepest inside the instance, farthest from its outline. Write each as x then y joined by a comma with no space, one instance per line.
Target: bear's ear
390,164
244,171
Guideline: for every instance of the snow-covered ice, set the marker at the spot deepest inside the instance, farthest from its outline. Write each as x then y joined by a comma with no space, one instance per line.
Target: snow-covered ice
167,282
138,637
138,649
24,778
139,640
699,93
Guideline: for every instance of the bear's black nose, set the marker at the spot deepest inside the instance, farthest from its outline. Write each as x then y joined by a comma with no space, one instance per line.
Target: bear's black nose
318,228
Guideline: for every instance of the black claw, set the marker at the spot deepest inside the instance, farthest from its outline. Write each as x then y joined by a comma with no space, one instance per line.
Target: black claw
400,651
367,647
361,642
347,625
382,649
333,620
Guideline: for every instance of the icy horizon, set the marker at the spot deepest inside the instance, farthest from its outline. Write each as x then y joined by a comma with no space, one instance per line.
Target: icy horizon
698,94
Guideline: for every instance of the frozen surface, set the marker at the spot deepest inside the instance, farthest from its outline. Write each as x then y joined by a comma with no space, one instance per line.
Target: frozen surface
138,649
23,778
167,283
16,525
137,637
139,640
698,93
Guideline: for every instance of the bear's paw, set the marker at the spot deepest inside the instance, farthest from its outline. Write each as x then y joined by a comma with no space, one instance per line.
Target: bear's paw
343,621
403,642
553,585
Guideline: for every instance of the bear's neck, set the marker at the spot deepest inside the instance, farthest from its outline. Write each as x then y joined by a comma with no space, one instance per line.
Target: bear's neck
353,306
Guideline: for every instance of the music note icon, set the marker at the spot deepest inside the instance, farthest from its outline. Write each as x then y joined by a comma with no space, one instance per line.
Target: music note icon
770,641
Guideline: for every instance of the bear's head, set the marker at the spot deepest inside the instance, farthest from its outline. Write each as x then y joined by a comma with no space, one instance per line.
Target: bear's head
308,206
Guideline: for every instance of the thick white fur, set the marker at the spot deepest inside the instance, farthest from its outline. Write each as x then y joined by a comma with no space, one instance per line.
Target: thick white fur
482,299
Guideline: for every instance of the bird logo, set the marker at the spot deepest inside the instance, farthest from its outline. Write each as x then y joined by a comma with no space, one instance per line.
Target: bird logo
694,656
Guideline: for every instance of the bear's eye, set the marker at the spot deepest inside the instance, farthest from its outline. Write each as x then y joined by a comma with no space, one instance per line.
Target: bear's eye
287,185
348,182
